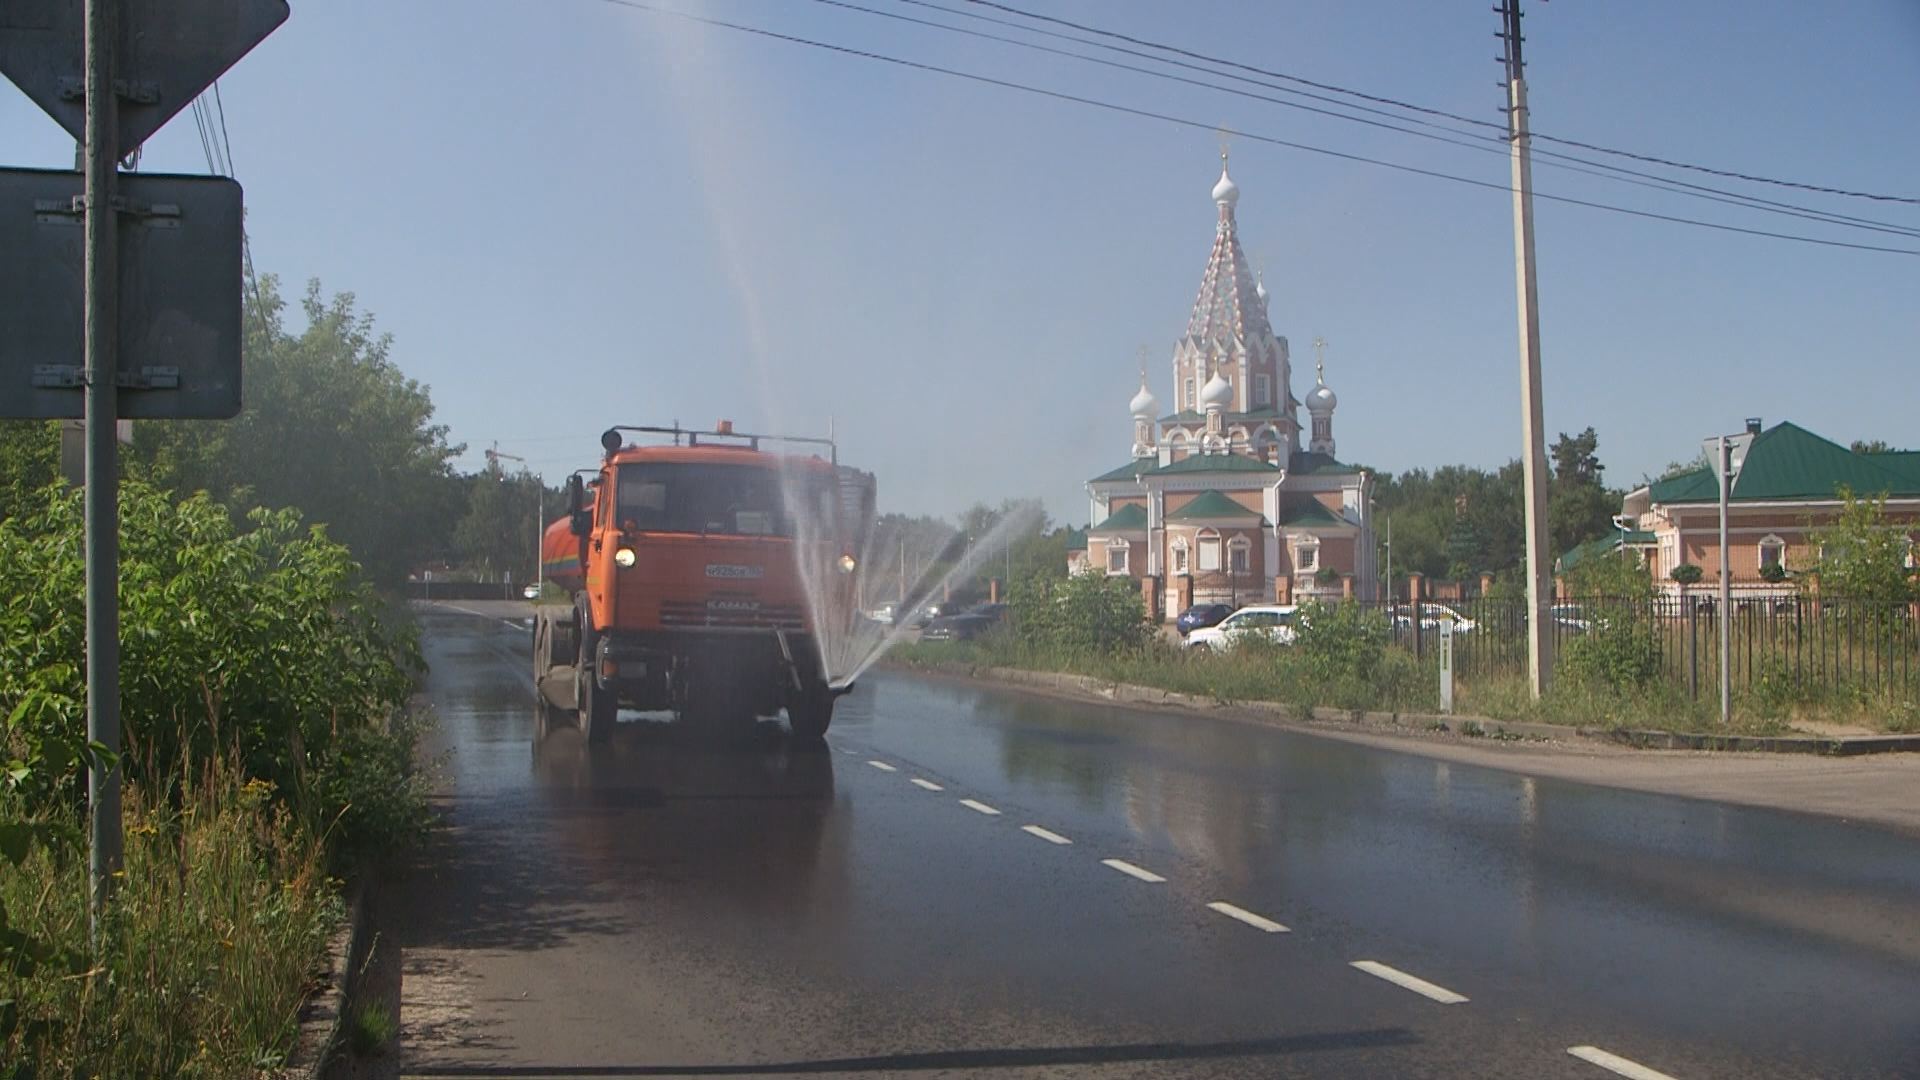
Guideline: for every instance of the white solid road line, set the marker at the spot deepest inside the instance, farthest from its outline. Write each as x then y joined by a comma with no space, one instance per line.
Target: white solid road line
1045,834
1131,870
882,766
1256,921
1419,986
1616,1064
928,784
980,806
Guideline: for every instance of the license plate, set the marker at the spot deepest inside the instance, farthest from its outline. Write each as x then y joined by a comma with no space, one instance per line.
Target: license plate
734,571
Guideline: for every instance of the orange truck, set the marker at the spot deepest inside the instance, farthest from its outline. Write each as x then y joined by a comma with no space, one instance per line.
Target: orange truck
705,574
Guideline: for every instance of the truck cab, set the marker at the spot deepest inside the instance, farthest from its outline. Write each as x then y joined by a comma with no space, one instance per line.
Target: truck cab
704,571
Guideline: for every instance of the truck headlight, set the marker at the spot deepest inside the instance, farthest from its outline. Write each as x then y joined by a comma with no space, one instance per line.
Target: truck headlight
623,557
847,564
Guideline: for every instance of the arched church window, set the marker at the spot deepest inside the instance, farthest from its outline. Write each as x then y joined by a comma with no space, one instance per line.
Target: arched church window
1180,556
1262,391
1209,550
1240,555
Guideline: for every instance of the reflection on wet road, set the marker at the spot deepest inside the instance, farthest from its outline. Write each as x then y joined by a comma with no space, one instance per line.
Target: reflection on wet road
966,880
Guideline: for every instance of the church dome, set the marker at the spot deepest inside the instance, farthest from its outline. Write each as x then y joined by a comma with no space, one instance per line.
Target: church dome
1218,391
1321,399
1226,192
1143,403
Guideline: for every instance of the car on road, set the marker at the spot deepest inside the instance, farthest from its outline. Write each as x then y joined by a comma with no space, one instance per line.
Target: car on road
1431,616
1201,616
531,592
1275,622
965,626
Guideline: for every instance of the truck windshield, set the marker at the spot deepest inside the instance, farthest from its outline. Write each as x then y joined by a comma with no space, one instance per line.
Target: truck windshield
670,496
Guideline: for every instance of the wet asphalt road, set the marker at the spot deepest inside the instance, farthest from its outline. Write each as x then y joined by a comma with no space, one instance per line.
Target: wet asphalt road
672,907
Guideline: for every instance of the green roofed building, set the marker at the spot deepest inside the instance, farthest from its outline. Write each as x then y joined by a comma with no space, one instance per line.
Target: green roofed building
1786,481
1228,499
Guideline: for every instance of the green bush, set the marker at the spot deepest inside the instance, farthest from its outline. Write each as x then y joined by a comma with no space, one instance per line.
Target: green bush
1084,613
1686,574
1620,652
262,646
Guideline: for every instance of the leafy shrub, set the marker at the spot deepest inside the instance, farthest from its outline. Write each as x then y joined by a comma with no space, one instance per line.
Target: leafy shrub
1773,573
1084,613
260,645
1340,642
1686,574
1620,652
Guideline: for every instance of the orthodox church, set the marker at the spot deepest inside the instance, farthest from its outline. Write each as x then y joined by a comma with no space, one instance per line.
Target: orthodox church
1227,499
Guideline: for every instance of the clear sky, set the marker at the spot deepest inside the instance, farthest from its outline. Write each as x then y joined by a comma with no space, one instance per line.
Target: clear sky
572,214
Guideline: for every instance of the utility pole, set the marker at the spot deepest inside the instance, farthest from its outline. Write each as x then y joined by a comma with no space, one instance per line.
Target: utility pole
1723,468
102,497
539,515
1532,422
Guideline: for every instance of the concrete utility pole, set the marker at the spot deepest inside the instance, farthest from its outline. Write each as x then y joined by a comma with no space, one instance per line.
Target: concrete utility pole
102,495
494,456
1532,423
1723,467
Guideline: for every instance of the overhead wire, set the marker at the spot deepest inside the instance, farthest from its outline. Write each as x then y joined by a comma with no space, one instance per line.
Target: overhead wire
1595,147
639,5
1491,144
1540,155
217,145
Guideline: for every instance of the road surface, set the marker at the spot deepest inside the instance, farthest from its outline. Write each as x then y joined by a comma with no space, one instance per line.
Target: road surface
973,882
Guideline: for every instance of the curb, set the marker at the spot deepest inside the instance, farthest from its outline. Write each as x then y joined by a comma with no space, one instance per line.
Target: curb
1469,726
324,1012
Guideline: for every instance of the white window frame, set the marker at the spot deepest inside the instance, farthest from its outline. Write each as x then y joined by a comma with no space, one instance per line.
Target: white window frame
1209,552
1306,556
1262,390
1240,555
1770,540
1191,399
1180,553
1122,549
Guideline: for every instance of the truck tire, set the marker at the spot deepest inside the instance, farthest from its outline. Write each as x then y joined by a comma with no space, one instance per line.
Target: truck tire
598,707
810,715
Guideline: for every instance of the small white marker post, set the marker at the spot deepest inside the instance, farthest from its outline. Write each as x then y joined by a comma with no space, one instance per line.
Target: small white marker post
1446,666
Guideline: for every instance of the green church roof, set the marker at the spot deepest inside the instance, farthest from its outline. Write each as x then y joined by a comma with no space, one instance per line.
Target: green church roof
1129,518
1787,462
1309,512
1212,504
1202,463
1309,462
1130,470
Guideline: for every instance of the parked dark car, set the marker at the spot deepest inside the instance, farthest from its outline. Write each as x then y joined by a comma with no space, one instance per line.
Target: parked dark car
965,626
1202,615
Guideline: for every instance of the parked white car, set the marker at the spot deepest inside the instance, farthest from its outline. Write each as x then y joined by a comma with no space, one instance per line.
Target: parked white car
1275,622
1431,616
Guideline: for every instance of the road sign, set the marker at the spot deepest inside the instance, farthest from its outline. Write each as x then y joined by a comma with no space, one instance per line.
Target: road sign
1446,665
179,305
166,54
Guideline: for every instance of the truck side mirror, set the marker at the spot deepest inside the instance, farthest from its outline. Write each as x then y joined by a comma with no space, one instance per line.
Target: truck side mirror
579,517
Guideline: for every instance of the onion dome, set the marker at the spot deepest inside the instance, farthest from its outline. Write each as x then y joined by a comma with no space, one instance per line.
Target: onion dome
1217,393
1143,404
1320,399
1226,192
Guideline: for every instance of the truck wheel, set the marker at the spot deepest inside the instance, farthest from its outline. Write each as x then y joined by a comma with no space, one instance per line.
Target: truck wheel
810,715
598,708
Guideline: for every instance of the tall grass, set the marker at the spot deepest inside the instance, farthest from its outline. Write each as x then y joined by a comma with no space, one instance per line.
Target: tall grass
206,953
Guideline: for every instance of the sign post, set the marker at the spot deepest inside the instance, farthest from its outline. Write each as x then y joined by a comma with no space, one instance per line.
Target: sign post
102,475
70,59
1446,666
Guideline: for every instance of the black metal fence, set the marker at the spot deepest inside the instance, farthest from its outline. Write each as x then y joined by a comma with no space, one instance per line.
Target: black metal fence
1791,645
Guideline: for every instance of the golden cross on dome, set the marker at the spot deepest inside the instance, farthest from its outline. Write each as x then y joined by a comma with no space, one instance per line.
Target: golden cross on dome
1223,133
1320,358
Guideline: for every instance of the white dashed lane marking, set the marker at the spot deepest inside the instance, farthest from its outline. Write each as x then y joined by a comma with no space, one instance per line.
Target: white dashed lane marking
882,766
1614,1063
928,784
1045,834
1409,982
980,806
1131,870
1258,922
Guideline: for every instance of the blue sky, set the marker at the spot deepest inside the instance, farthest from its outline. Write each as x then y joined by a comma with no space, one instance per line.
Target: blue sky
571,214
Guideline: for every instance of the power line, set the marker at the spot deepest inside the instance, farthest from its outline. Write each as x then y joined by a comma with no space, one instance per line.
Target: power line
1468,140
217,145
1182,121
1648,158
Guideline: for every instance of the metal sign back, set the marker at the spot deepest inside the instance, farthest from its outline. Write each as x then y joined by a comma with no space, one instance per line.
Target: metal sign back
179,305
167,53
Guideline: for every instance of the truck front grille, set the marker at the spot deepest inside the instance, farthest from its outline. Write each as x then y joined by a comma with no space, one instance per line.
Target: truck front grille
731,615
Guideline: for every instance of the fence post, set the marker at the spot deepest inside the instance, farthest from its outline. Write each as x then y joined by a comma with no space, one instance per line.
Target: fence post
1693,644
